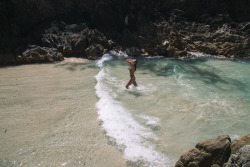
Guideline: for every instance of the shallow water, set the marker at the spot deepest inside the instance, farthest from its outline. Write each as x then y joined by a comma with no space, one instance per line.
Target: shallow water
177,104
48,117
79,113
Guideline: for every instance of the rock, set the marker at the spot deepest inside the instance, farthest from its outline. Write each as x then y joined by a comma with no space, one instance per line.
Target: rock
222,36
207,153
73,40
182,53
246,43
37,54
94,51
194,157
240,159
111,44
198,37
128,23
208,48
219,147
133,51
218,20
215,165
238,143
94,36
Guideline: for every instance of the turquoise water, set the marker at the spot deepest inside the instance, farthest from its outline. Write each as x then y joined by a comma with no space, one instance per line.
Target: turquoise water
178,102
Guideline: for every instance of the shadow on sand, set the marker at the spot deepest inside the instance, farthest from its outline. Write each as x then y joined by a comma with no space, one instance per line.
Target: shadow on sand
74,66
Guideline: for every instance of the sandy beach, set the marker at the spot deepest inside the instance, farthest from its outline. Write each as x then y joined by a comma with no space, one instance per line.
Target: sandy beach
48,117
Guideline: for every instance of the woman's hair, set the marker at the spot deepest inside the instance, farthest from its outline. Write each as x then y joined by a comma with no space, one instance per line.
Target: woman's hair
135,64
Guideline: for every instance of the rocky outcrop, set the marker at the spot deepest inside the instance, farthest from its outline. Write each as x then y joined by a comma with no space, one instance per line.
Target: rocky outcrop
37,54
178,38
33,54
207,153
76,40
94,51
170,28
215,153
240,159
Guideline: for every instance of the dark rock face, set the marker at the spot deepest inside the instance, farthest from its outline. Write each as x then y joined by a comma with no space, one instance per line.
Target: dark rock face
33,54
94,51
76,40
168,28
207,153
37,54
219,148
6,59
240,159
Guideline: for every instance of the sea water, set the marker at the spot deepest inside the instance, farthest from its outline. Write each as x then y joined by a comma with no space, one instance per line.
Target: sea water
178,102
79,113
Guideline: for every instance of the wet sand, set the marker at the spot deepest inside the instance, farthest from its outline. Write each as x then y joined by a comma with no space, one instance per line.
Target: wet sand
48,117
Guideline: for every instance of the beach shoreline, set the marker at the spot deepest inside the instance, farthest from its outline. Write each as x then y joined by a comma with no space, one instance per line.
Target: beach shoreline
48,117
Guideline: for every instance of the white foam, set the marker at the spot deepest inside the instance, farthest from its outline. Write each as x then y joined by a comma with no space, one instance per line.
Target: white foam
234,137
142,88
123,54
154,57
119,53
200,55
119,125
152,121
177,68
105,57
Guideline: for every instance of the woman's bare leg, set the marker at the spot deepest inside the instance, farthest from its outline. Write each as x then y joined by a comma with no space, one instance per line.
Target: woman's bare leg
134,83
129,83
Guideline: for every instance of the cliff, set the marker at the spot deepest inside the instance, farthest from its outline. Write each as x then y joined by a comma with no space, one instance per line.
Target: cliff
131,24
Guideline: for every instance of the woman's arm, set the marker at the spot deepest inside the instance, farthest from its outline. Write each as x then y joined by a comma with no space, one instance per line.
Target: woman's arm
129,61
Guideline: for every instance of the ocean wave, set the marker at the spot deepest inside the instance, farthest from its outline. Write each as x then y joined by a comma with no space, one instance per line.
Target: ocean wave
132,138
119,53
201,55
105,57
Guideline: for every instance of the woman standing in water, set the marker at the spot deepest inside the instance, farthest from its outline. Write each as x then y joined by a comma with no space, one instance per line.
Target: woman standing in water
132,63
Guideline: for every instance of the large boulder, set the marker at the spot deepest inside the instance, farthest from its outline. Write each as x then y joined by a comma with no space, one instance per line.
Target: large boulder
194,157
133,51
37,54
95,36
207,153
70,40
240,159
94,51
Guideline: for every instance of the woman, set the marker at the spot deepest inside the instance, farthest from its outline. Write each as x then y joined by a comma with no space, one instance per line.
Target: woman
132,63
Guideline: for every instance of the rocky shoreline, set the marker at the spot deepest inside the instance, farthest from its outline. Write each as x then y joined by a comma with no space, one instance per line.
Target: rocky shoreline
217,152
78,40
90,29
48,30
